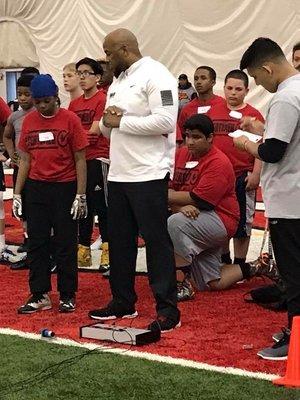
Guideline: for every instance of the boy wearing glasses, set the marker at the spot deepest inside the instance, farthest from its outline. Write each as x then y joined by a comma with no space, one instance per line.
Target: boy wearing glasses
89,108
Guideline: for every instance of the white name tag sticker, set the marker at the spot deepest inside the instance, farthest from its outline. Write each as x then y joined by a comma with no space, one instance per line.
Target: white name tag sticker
45,136
203,109
235,114
191,164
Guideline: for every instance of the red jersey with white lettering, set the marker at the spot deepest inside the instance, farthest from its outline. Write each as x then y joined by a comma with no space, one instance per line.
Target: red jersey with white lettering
51,143
90,110
197,106
5,111
211,179
226,121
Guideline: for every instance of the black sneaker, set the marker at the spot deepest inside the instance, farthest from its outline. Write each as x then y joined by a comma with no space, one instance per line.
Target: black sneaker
66,305
278,335
279,351
23,248
112,311
164,324
37,302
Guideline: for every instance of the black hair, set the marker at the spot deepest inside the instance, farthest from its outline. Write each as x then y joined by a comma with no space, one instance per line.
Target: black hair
30,71
260,51
212,72
25,80
238,74
95,65
201,122
296,47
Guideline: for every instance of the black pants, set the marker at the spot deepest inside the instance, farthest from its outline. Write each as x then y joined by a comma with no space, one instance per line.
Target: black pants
135,207
48,206
96,202
285,236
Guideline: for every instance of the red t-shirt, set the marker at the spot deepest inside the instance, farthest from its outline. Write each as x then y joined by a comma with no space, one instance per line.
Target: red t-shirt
51,143
90,110
223,124
5,111
197,106
212,180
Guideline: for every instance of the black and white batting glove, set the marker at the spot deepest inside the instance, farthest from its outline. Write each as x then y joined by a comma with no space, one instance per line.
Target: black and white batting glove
79,207
17,206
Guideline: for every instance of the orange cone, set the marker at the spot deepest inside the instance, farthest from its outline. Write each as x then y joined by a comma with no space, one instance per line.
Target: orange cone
292,375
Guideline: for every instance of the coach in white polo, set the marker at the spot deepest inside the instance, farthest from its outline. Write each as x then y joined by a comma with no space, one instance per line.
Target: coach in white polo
140,119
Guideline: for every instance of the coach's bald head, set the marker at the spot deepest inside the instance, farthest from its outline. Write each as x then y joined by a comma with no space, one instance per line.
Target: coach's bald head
121,49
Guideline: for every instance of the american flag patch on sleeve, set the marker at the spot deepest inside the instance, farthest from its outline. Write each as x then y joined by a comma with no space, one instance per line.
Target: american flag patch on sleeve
166,97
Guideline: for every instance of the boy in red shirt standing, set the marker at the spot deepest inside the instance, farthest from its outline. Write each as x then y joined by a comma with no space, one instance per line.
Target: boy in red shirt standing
204,82
89,107
52,150
227,118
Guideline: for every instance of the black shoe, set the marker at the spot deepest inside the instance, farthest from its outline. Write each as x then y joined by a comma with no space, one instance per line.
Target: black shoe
112,311
66,304
24,247
19,265
37,302
164,324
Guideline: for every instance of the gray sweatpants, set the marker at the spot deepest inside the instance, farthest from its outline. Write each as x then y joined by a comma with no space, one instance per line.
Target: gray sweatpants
200,241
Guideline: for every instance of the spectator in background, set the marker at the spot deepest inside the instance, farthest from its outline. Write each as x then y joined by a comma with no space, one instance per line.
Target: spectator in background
296,56
12,134
89,107
71,81
204,82
186,92
106,78
227,118
4,115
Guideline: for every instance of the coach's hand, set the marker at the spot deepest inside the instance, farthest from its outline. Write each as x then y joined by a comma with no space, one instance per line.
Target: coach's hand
79,207
17,206
112,117
190,211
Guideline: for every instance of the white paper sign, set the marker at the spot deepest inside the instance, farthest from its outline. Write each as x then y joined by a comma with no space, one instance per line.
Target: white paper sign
251,136
235,114
45,136
203,109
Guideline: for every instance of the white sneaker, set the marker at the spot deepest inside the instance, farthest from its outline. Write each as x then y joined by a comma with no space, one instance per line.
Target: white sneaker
36,303
97,244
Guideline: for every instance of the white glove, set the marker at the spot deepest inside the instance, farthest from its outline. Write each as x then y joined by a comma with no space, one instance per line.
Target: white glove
17,206
79,207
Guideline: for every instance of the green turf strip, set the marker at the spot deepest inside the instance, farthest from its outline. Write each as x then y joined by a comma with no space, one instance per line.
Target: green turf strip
114,377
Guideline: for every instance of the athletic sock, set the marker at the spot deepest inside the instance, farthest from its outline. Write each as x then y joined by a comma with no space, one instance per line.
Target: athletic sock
245,268
238,260
226,259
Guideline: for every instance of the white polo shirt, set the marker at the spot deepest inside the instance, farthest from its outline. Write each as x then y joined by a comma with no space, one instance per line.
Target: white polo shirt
143,147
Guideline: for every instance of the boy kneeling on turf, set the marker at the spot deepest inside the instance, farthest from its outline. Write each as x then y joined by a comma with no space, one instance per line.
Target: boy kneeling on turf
52,171
205,213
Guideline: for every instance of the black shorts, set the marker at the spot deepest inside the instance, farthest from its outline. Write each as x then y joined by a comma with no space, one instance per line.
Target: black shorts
246,200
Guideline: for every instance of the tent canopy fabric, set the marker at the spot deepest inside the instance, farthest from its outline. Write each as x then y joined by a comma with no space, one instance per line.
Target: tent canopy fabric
182,34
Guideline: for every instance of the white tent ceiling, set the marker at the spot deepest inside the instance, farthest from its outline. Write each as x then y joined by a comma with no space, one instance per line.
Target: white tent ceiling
182,34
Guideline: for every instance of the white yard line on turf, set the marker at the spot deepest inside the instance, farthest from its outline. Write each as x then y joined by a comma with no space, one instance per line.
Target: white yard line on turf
144,355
